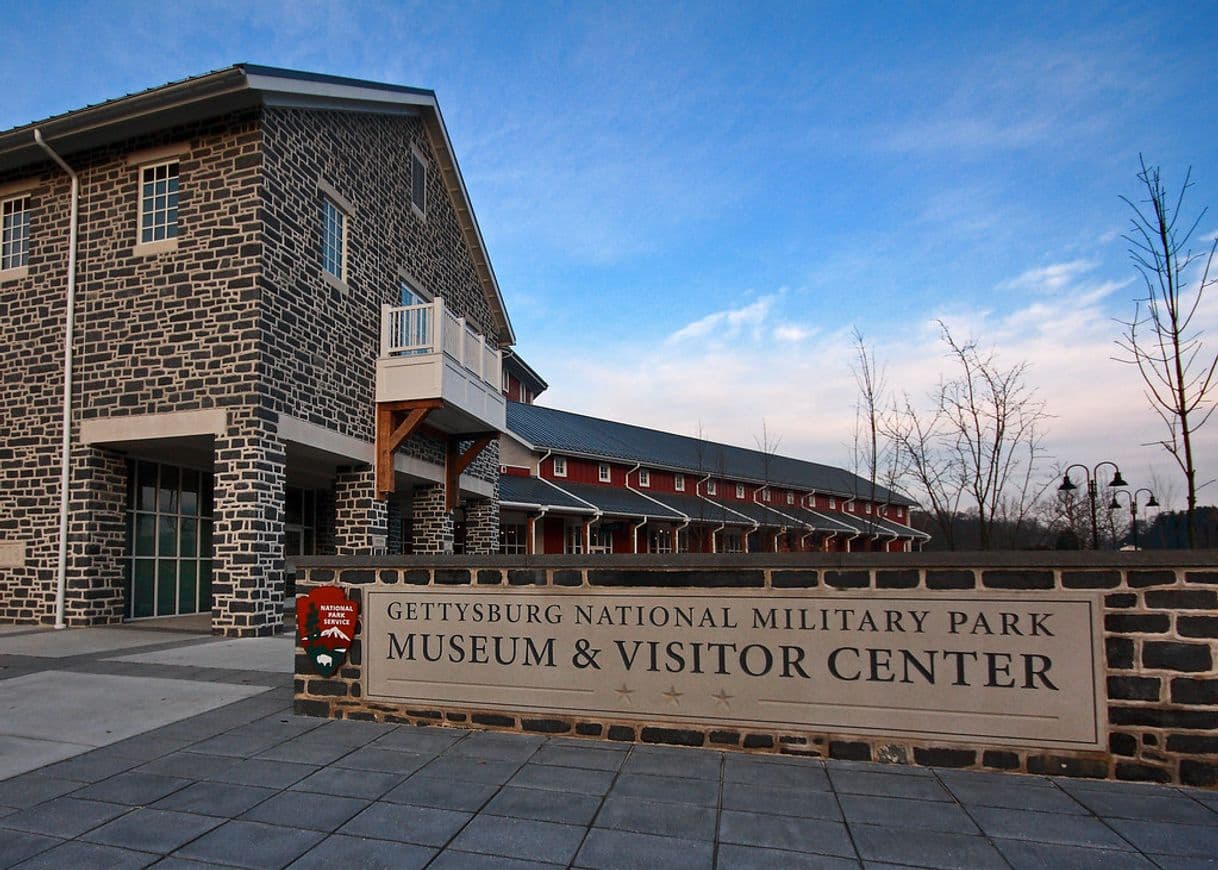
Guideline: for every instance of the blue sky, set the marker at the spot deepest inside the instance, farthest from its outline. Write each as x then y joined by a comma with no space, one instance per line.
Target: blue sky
688,206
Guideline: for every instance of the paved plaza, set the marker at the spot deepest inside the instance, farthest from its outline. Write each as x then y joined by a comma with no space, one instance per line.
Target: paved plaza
127,747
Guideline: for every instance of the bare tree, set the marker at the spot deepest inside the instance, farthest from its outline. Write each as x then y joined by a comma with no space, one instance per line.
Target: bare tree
871,449
980,444
1160,339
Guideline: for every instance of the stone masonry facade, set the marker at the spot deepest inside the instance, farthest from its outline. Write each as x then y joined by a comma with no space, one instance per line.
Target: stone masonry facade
235,316
1159,631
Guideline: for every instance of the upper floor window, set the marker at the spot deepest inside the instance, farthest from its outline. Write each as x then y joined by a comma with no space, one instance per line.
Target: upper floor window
832,503
765,494
644,477
603,473
678,482
560,466
790,498
159,202
712,488
740,490
418,182
867,507
15,233
333,239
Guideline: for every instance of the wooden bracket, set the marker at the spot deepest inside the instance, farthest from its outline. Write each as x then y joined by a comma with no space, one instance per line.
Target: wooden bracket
395,422
457,461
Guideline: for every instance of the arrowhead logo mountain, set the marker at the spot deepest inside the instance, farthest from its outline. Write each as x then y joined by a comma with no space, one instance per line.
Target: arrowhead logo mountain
325,624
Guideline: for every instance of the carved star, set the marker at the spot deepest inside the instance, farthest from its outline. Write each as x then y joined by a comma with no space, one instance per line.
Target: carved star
673,695
723,697
624,693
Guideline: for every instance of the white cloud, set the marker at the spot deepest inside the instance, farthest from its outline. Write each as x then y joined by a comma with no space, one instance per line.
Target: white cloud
792,332
727,324
1051,278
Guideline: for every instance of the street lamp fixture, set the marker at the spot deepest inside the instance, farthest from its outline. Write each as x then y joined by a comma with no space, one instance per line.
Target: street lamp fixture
1090,476
1151,502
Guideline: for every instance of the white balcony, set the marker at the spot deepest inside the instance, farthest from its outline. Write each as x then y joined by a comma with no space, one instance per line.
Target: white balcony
429,353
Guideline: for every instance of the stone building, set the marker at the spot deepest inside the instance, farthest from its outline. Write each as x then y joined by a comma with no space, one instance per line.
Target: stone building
282,335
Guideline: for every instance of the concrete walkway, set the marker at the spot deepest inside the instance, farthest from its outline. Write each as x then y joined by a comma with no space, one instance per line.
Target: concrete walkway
220,772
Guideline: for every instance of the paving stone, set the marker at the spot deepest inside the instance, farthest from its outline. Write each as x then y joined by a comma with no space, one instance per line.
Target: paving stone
251,844
133,789
16,846
1046,828
1179,862
421,741
925,848
63,817
887,785
590,743
144,747
736,857
426,826
568,756
95,857
605,849
686,763
1015,796
490,747
270,774
305,751
520,838
353,732
349,783
215,799
771,775
30,789
237,745
905,813
148,830
189,765
781,801
667,788
565,779
339,850
1160,837
471,769
878,767
785,832
383,760
448,794
89,767
453,859
1174,808
687,821
305,809
1025,855
543,805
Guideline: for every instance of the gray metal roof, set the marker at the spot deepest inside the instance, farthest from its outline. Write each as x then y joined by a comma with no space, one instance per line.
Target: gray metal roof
533,492
701,510
619,501
577,434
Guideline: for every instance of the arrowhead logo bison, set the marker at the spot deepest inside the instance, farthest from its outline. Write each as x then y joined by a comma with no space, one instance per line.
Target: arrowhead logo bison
325,624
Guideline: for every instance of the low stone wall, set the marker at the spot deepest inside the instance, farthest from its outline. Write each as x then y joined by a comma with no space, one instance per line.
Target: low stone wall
1160,635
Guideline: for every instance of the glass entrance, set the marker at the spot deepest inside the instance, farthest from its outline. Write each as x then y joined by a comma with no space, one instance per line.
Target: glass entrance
168,564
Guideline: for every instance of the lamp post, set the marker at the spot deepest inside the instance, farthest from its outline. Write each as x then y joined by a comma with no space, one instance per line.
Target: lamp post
1133,507
1090,475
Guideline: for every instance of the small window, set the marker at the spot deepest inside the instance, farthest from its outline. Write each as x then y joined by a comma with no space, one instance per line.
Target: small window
15,247
418,183
712,488
333,239
765,494
159,202
867,507
573,538
739,490
832,503
678,482
644,477
560,466
603,473
790,498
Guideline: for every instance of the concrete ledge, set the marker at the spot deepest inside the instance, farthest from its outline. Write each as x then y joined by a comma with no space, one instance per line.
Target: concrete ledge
147,427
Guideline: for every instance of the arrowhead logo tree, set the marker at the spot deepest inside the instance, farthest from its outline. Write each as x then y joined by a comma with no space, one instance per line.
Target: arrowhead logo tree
325,624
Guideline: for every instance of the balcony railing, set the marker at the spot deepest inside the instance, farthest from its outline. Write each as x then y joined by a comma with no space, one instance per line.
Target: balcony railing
427,352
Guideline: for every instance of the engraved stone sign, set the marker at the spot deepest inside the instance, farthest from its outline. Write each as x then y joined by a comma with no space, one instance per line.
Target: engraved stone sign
1024,669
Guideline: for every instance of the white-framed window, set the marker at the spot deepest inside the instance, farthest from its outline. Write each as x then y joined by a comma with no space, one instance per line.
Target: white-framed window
683,540
418,182
573,538
765,494
832,503
333,239
678,482
14,233
603,473
867,507
661,541
644,477
560,466
506,383
732,541
712,488
158,202
512,539
740,490
601,540
790,498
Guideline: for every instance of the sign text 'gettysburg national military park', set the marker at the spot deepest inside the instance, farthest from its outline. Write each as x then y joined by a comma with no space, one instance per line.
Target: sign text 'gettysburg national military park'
1023,669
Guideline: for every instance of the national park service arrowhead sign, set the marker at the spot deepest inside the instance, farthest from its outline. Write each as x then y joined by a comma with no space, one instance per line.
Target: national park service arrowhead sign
325,624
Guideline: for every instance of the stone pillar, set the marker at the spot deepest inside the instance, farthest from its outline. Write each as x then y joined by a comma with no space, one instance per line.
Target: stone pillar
482,525
97,535
432,523
247,587
360,518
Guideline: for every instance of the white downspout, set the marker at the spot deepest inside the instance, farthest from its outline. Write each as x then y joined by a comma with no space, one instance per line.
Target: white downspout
634,535
65,461
849,539
536,521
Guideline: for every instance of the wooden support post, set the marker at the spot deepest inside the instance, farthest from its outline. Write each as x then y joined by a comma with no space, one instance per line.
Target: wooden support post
456,462
395,422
